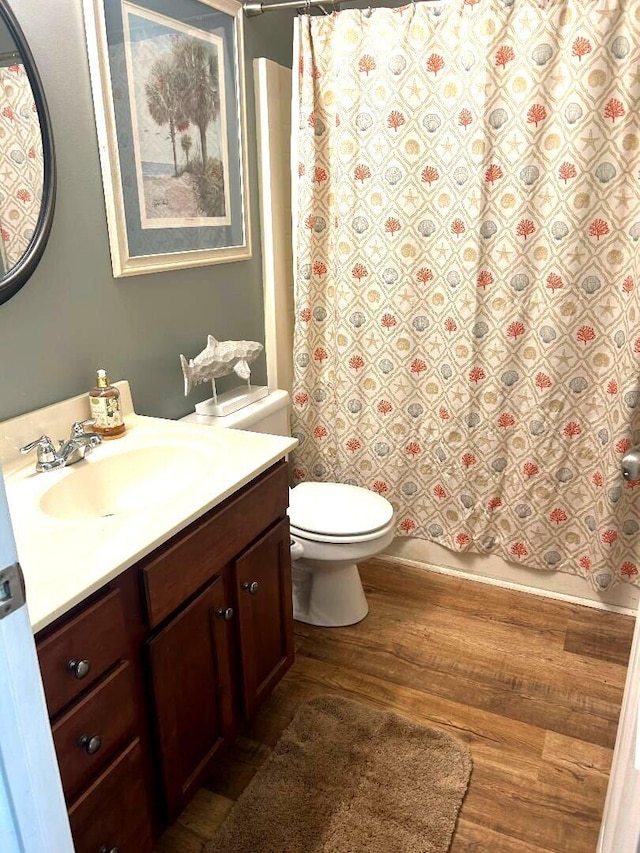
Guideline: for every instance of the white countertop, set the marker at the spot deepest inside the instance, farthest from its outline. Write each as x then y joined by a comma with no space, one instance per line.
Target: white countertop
66,559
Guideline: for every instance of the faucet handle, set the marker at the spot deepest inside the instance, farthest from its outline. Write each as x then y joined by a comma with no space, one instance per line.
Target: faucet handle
78,428
45,447
88,440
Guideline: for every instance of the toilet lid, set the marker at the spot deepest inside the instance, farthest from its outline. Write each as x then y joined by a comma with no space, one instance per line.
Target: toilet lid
337,509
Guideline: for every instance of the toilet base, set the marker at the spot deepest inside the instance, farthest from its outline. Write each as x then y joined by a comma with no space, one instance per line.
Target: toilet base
330,596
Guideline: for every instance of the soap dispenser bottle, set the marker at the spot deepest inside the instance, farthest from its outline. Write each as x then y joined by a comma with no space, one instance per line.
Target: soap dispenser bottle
104,401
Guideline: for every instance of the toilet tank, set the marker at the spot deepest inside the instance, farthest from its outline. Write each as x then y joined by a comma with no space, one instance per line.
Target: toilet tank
270,415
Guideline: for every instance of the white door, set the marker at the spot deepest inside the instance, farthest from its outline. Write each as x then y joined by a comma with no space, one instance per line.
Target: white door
33,816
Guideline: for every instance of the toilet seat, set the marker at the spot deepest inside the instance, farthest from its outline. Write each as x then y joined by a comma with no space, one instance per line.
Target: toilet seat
337,512
309,536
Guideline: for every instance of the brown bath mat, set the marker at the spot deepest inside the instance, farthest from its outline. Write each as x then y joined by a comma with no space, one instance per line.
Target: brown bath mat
346,778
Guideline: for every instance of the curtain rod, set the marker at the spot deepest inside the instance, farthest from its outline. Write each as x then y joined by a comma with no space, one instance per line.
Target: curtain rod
257,7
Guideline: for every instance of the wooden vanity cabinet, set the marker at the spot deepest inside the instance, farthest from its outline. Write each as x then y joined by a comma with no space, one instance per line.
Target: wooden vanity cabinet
148,679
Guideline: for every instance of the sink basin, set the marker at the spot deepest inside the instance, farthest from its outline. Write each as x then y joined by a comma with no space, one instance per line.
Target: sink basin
125,482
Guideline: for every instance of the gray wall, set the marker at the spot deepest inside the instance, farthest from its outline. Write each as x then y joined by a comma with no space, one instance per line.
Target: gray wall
72,316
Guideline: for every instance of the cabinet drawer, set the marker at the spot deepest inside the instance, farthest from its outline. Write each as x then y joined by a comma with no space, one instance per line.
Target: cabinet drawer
107,713
202,552
115,811
96,637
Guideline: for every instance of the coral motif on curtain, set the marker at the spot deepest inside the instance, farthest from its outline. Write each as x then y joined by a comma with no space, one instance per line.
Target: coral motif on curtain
22,174
468,272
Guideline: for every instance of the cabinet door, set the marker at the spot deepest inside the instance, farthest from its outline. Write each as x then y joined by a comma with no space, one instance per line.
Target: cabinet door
265,609
190,679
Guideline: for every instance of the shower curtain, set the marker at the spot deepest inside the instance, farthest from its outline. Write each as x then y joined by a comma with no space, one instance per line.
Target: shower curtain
22,175
467,336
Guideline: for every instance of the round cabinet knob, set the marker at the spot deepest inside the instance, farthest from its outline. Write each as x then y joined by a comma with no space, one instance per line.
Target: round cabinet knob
251,588
79,668
226,614
90,744
105,849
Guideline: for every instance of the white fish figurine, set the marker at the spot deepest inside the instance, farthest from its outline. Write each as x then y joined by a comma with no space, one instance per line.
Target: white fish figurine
219,358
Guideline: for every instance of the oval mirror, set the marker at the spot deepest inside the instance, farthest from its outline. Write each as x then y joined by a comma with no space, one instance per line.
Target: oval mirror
27,165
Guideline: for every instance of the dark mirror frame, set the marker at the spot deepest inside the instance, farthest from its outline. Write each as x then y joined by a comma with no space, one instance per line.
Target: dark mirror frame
17,276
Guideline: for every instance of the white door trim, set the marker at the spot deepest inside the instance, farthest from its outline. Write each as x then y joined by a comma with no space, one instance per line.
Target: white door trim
33,815
272,84
620,829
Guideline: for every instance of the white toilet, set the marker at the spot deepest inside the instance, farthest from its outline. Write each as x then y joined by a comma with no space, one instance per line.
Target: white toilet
333,527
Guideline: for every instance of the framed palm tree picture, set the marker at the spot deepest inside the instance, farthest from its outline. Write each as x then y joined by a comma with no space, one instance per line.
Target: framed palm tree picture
168,90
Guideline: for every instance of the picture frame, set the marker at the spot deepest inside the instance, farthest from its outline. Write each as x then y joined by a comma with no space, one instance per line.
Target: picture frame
168,88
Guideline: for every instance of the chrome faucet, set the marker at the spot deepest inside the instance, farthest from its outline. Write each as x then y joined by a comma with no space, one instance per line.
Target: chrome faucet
76,447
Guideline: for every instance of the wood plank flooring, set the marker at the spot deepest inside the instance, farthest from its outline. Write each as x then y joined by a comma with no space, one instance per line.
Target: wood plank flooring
533,686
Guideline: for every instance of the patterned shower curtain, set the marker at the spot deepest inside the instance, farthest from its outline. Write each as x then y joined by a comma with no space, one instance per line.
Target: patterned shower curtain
22,174
467,338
